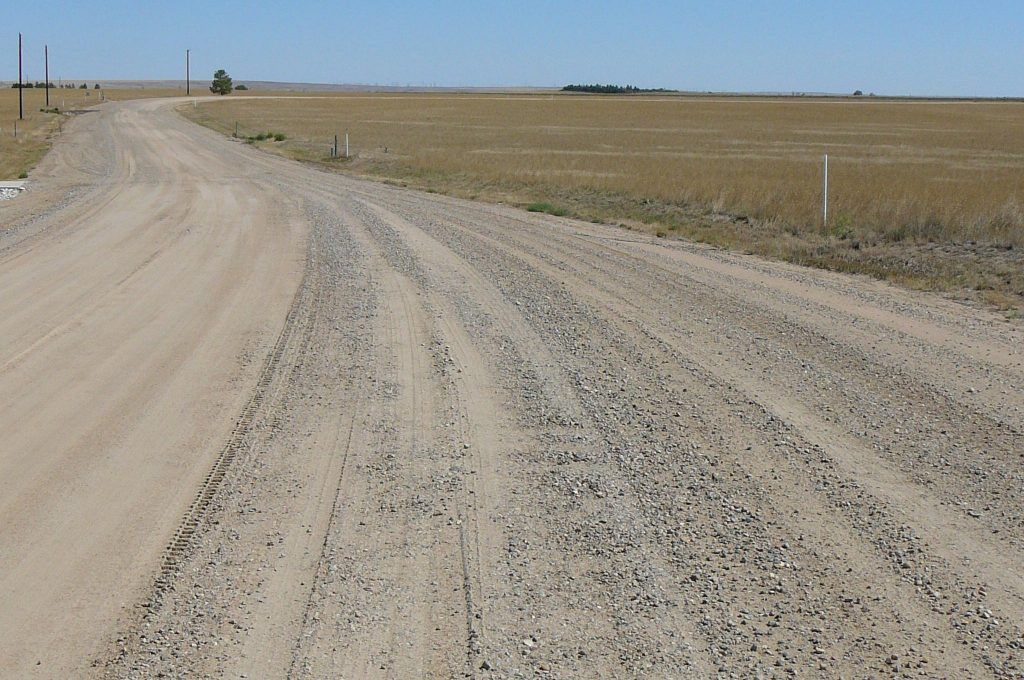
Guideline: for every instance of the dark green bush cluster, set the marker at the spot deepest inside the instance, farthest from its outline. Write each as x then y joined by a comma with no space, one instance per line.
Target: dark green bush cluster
276,136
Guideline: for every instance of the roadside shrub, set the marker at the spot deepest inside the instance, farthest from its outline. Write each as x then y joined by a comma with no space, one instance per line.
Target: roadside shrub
547,208
279,137
23,175
842,229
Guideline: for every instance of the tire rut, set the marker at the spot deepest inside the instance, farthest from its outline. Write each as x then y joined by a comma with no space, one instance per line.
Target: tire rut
299,320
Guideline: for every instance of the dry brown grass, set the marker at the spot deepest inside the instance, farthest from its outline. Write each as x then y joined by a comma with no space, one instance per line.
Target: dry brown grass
928,194
20,154
898,169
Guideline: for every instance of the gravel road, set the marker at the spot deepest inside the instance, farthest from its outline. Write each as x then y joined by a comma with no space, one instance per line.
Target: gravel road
270,422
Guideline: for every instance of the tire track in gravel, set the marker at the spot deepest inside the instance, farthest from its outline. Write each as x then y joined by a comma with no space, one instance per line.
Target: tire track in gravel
456,282
928,320
952,540
812,341
283,356
260,583
415,344
844,371
1002,441
917,343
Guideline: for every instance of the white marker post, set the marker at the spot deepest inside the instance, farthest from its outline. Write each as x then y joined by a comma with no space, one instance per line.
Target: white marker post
824,202
346,145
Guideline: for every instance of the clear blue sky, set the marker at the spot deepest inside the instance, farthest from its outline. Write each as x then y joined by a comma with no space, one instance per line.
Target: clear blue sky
941,47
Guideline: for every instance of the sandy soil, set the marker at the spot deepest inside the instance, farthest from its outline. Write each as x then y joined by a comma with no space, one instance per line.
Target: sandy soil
270,422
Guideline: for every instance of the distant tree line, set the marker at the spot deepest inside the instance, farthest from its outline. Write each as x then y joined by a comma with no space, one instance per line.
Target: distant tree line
66,86
612,89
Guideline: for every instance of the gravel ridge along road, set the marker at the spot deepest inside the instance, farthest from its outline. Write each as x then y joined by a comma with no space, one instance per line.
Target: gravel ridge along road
271,422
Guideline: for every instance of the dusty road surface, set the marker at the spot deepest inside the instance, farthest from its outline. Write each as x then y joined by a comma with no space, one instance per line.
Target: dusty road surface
259,421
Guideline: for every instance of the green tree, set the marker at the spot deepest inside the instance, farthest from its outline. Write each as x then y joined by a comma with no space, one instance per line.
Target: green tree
221,82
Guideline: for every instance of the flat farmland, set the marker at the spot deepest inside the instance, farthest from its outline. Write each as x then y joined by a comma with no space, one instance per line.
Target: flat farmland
924,193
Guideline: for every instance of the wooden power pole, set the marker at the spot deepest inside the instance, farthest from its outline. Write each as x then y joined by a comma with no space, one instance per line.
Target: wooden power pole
46,73
188,81
21,89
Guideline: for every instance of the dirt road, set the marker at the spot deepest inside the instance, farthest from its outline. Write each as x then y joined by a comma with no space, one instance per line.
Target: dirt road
259,421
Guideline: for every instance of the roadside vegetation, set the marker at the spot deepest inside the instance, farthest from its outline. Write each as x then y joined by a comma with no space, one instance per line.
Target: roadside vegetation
263,136
221,83
547,208
20,153
927,194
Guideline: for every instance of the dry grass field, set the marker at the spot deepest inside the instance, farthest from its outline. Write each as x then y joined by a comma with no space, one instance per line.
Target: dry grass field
926,193
19,154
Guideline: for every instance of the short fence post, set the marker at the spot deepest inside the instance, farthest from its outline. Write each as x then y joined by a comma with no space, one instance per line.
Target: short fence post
824,202
346,145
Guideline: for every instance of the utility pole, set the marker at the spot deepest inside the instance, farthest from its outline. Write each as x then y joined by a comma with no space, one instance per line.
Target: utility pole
21,89
188,82
46,73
